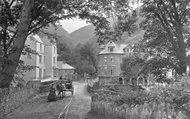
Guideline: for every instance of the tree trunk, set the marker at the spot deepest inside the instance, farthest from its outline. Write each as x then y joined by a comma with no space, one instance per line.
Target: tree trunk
182,64
181,52
9,67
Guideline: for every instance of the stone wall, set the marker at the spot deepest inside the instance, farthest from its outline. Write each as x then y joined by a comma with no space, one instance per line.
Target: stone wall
103,80
12,98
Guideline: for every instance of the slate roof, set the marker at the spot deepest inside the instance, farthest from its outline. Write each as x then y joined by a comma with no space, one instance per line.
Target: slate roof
37,38
48,40
117,48
62,65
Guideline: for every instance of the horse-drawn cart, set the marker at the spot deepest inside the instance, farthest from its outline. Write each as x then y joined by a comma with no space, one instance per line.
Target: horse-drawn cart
64,86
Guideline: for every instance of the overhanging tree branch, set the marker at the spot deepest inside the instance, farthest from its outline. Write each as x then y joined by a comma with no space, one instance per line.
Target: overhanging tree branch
12,39
11,3
39,26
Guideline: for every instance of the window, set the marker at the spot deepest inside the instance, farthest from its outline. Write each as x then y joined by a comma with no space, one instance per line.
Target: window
40,58
44,59
29,56
40,73
54,49
40,47
44,48
112,70
105,59
105,71
44,71
124,49
111,49
112,59
54,60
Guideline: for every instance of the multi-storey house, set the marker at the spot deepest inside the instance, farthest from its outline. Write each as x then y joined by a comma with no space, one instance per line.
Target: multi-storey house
51,70
35,43
109,60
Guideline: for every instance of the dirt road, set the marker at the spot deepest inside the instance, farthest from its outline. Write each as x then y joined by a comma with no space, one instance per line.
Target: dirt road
39,108
80,105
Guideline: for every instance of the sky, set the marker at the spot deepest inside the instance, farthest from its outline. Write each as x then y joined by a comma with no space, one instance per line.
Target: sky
74,24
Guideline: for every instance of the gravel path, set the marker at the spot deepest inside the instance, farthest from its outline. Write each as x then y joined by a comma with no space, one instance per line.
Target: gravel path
80,105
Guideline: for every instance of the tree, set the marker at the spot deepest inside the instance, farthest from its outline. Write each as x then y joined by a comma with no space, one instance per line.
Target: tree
64,52
18,19
88,53
131,66
124,21
10,62
166,24
82,57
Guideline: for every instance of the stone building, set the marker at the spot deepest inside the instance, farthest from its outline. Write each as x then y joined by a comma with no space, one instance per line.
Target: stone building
109,60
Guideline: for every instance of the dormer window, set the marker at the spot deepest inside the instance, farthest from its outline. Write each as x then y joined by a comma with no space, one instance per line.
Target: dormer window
111,49
124,49
112,59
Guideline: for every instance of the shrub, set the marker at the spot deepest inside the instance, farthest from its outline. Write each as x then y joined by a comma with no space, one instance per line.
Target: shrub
172,98
91,88
45,86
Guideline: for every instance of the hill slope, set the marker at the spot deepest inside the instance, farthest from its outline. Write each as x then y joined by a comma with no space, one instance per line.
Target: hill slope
86,34
83,34
63,35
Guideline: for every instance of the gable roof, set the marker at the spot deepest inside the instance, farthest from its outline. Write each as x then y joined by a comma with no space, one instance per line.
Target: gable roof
66,66
48,40
62,65
35,37
117,48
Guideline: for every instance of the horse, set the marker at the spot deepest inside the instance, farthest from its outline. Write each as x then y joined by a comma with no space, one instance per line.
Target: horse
61,88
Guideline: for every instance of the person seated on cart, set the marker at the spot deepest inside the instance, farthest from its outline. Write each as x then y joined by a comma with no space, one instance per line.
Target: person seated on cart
61,77
69,84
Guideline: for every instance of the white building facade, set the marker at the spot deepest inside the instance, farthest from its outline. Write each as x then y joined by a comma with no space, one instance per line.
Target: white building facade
35,43
45,61
51,69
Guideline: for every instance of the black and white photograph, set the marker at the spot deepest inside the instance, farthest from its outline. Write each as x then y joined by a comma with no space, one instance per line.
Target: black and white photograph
94,59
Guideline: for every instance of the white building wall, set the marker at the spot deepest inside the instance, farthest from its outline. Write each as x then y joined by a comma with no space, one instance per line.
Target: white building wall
51,60
50,55
33,59
47,64
54,55
40,61
48,61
